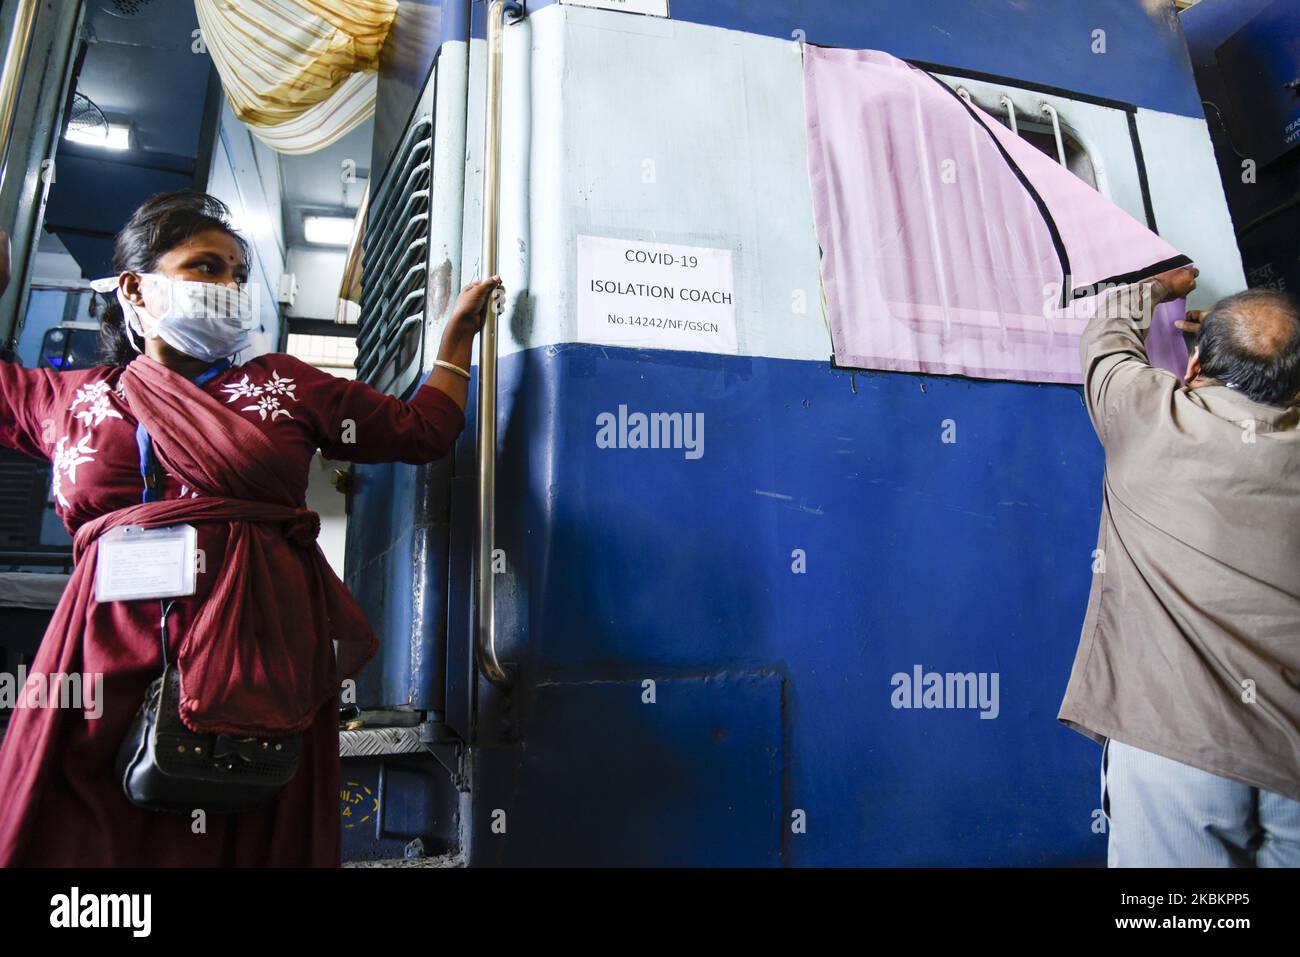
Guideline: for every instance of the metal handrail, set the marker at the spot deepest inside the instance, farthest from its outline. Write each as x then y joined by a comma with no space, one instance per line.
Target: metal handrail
11,75
486,638
1056,129
351,282
1011,113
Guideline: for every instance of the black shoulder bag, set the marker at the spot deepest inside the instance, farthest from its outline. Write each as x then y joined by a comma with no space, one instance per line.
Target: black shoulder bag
164,766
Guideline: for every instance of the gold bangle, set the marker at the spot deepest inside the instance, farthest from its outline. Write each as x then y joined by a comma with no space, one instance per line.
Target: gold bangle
444,364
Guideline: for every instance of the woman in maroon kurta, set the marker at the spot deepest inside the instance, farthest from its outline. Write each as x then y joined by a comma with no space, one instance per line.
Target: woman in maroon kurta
63,803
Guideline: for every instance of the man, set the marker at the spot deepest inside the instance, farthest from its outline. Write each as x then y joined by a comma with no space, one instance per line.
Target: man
1188,668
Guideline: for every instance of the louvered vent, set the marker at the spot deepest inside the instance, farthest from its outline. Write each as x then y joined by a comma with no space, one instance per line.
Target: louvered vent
390,341
23,486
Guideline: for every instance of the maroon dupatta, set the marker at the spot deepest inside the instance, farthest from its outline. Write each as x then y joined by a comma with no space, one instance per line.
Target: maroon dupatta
257,655
258,659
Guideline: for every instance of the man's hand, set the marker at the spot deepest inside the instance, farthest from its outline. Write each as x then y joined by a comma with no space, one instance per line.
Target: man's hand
1192,324
1176,283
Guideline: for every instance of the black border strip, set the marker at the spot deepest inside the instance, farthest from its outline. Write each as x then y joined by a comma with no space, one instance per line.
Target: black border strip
1142,172
1123,279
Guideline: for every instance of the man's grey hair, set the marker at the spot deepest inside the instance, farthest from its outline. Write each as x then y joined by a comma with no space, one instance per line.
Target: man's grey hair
1251,342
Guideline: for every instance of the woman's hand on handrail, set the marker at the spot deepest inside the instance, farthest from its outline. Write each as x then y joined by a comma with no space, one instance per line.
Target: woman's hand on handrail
458,338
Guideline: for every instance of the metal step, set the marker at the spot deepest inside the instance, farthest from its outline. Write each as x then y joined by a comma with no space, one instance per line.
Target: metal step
370,742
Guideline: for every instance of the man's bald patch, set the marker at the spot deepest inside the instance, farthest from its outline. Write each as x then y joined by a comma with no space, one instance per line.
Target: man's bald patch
1266,326
1251,341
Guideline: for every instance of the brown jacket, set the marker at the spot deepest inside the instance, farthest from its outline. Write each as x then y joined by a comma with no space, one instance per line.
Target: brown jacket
1191,645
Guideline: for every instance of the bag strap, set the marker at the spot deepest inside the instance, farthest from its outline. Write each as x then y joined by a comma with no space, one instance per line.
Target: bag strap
162,627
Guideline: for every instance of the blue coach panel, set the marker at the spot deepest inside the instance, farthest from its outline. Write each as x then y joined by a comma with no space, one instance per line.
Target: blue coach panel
738,624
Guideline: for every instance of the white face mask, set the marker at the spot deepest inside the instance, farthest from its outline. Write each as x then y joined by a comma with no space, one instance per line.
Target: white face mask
206,320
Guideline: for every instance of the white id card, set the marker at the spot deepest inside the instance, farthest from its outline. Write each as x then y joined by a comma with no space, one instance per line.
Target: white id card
135,562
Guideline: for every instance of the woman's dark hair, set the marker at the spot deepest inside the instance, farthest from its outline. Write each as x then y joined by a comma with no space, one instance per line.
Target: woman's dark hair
161,223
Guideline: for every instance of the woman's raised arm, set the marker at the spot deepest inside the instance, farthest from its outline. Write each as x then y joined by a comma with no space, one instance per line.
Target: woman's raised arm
26,398
361,424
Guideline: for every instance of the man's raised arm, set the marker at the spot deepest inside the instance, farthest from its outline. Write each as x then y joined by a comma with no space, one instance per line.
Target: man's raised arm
1113,346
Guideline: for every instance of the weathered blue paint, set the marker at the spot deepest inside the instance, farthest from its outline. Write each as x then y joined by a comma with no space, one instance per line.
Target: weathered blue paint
966,557
397,568
1043,41
611,775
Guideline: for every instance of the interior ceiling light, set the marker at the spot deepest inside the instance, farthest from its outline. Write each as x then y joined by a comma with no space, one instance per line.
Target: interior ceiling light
327,230
116,137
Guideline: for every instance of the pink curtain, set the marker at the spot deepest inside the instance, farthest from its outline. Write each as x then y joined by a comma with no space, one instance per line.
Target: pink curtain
949,244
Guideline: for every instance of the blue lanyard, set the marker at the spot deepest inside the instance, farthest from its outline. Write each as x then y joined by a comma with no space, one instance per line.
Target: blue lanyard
149,471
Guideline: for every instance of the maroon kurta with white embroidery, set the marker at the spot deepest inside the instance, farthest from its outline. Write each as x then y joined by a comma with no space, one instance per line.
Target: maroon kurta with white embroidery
82,422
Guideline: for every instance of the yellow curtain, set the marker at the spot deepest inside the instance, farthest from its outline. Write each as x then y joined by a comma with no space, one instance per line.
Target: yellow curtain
300,73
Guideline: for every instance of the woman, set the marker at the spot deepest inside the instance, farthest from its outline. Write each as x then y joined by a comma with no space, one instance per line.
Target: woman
171,432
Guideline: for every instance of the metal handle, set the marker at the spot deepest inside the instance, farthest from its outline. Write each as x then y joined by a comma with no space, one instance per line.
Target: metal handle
1056,129
487,363
11,79
1011,113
